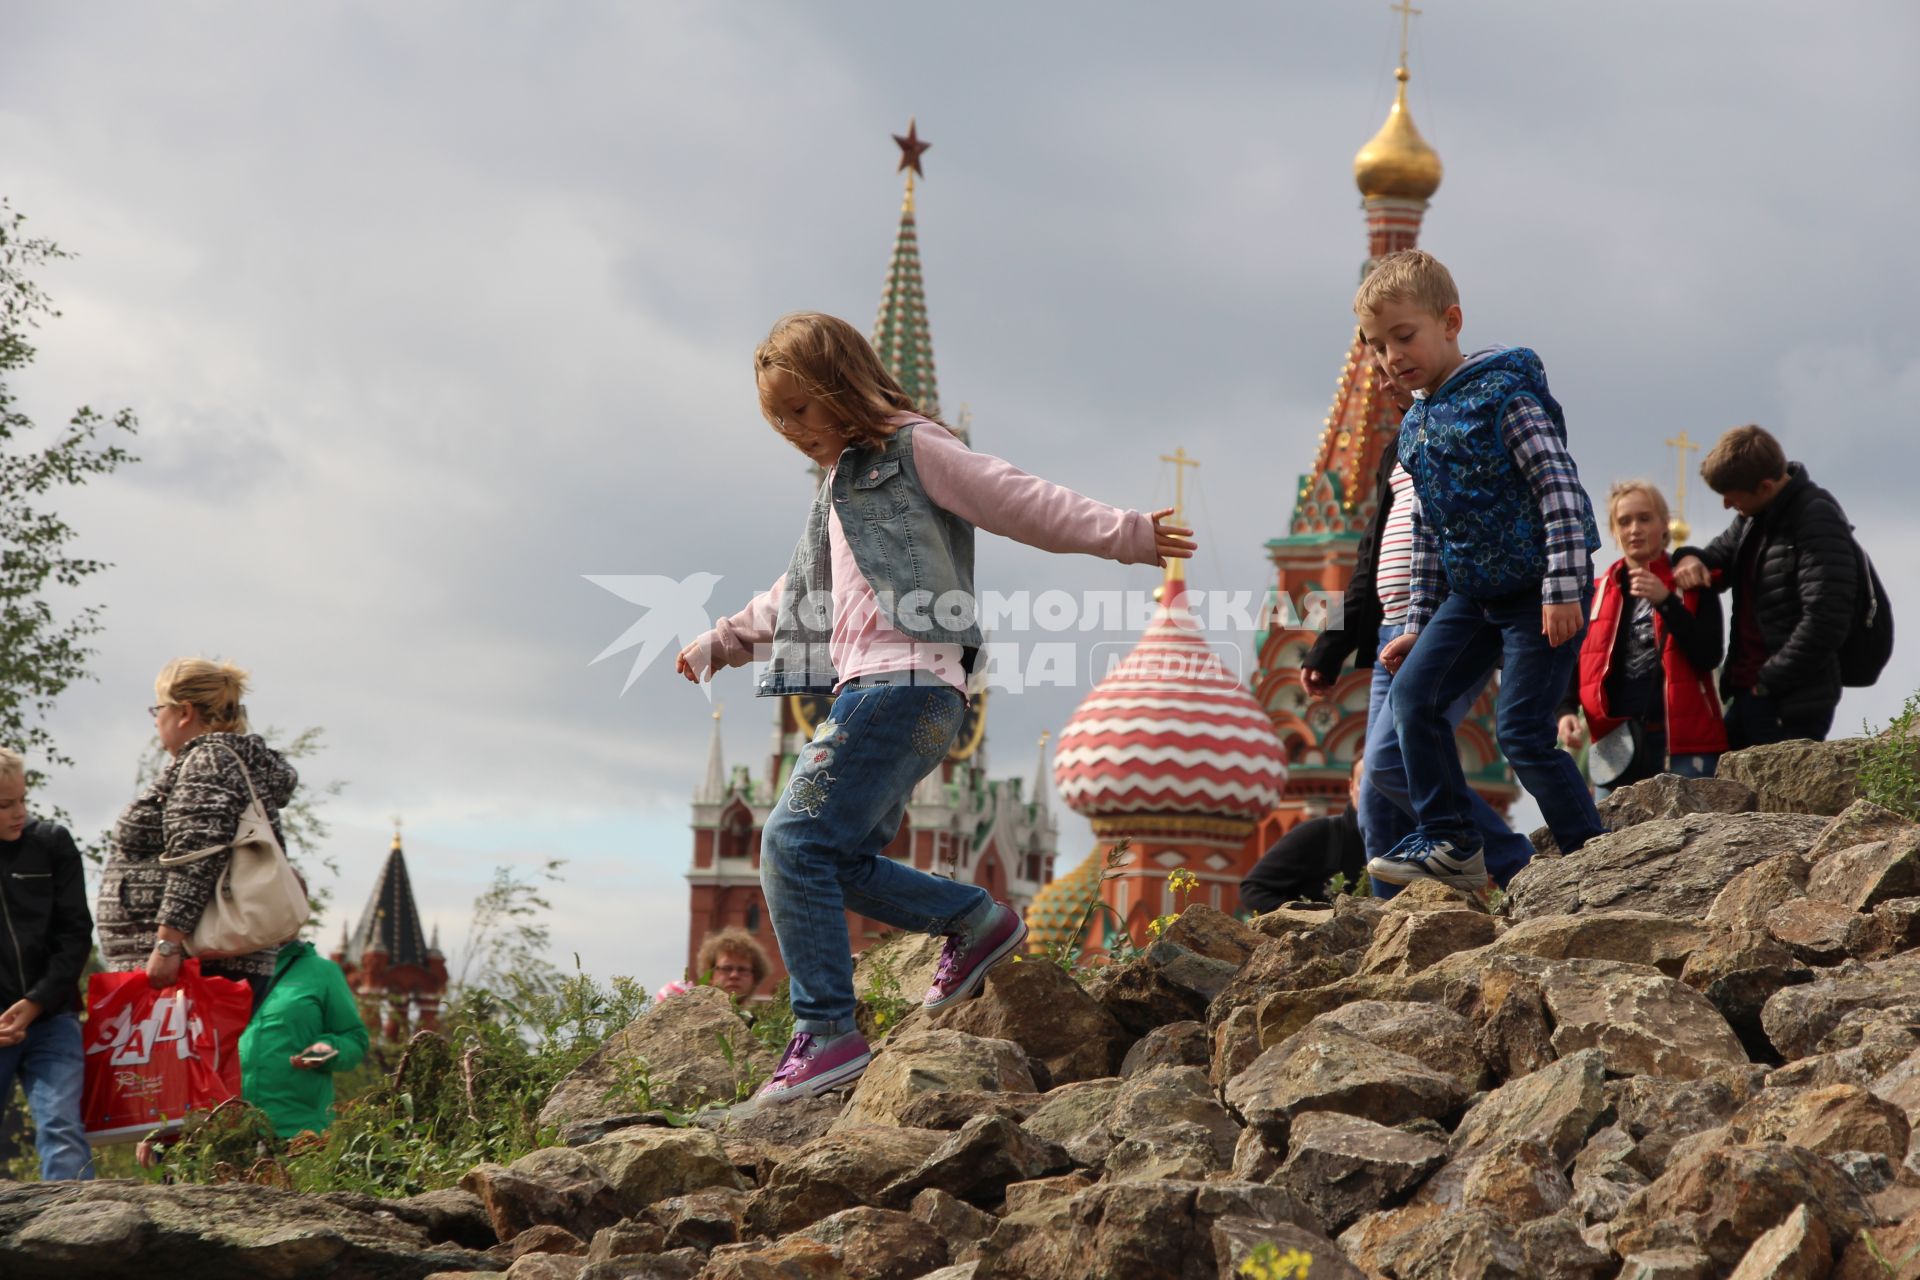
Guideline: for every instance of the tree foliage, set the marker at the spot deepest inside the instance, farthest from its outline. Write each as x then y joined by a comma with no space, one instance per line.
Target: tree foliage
43,650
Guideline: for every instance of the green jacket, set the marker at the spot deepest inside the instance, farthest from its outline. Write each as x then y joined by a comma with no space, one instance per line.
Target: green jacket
309,1002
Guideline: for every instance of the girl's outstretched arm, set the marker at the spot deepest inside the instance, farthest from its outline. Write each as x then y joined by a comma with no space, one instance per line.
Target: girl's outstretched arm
731,642
993,494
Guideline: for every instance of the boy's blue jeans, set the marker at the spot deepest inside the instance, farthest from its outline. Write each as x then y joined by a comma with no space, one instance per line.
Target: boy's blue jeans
50,1066
820,851
1386,811
1456,650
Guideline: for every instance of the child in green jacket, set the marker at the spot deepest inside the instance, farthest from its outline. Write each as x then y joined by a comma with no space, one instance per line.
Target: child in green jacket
307,1028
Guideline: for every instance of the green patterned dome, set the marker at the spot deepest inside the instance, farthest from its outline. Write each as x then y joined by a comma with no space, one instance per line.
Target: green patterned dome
1058,910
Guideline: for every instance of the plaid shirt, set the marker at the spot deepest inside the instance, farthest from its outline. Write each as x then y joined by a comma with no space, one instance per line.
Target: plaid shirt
1543,459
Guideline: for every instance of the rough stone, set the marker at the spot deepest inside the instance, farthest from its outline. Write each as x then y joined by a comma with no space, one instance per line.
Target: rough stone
977,1162
1757,892
1899,1244
1170,1095
1667,1264
676,1264
1797,1249
1638,937
645,1165
1367,1240
879,1244
1861,822
1236,1043
1127,1230
1075,1116
1798,1018
1554,1247
545,1266
1235,1240
1410,941
1039,1007
1324,1068
450,1215
1798,776
1866,875
680,1041
777,1127
626,1240
1669,795
898,967
1024,1197
1345,1167
1722,1200
1473,1244
1514,1034
555,1185
546,1239
1892,927
703,1220
1438,1037
1829,1121
1670,867
1167,984
1820,933
1645,1023
1738,971
794,1258
952,1110
1178,1044
839,1171
960,1226
1182,1150
1659,1113
134,1231
1517,1180
1557,1106
932,1061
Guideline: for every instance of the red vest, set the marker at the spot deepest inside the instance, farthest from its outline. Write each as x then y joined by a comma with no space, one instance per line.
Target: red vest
1694,724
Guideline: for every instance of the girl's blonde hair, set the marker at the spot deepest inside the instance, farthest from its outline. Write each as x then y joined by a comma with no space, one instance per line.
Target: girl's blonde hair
836,366
1625,488
12,763
214,687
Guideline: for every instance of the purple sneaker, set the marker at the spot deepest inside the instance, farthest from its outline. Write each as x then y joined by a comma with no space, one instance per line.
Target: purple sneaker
811,1066
964,964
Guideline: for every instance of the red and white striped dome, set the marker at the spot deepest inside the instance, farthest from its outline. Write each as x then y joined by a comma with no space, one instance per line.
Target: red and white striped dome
1171,733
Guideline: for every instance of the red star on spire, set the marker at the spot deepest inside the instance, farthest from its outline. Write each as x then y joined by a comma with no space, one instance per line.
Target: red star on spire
911,149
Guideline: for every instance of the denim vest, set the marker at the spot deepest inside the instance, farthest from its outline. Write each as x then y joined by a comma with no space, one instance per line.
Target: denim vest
1473,494
917,557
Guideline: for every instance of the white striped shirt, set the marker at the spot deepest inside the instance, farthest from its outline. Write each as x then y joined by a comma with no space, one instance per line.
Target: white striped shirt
1392,576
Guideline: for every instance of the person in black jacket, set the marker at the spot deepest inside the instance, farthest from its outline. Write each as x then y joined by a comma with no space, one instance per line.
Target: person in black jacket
46,933
1790,560
1302,861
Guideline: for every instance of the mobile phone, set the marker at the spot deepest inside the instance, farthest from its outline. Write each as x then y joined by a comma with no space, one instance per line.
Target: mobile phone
315,1054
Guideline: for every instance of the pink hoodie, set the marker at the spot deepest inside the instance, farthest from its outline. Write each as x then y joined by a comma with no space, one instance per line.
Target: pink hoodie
987,492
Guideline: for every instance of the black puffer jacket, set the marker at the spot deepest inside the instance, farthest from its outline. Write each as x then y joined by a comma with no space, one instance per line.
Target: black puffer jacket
45,930
1805,577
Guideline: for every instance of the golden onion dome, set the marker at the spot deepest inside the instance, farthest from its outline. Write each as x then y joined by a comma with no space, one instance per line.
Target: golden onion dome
1397,161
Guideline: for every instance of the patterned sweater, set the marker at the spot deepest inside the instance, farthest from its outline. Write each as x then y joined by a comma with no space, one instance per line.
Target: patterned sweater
194,804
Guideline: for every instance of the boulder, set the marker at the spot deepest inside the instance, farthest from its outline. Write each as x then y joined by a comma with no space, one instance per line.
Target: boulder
1669,795
1644,1022
450,1215
1798,1018
1830,1121
878,1244
675,1264
1638,937
1517,1180
1862,877
1555,1247
1368,1239
1438,1037
932,1061
1799,776
1075,1116
1036,1005
1898,1244
1797,1249
679,1045
704,1220
977,1162
1472,1244
1182,1150
892,974
1722,1200
1236,1043
1172,1095
1409,941
1738,971
1684,1263
556,1186
839,1171
1505,1003
1129,1230
1819,933
1235,1240
1557,1106
1294,962
124,1230
1604,1176
1659,1114
626,1240
1670,867
545,1266
794,1258
645,1165
960,1226
779,1126
1861,822
1344,1167
546,1239
1755,893
1892,927
1178,1044
1324,1068
1024,1197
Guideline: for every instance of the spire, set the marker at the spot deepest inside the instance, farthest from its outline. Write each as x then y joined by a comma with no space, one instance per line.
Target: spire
391,921
1397,171
433,944
714,789
1040,779
901,336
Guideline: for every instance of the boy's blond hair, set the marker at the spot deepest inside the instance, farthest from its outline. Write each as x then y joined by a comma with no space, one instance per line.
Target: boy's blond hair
1411,275
1625,488
1742,459
12,764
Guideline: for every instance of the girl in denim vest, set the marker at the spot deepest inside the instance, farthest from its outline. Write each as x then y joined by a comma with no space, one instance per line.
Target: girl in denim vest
877,608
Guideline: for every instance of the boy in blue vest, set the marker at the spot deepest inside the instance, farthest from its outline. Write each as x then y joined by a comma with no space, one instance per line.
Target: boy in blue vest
1502,571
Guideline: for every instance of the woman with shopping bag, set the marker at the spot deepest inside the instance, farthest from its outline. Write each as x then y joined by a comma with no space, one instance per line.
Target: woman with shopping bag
197,865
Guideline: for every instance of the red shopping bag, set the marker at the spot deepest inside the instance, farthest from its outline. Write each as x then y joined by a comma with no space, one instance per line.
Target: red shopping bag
152,1056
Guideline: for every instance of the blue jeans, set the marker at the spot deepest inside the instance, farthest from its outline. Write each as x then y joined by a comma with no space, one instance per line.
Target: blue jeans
1386,812
50,1066
820,851
1458,647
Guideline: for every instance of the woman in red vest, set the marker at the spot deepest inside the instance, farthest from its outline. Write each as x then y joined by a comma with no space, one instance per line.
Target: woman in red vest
1646,668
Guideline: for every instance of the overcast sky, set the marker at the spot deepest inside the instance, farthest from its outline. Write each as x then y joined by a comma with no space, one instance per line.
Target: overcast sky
428,310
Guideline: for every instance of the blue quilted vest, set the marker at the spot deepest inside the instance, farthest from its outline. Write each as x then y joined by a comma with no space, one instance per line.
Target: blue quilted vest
1472,492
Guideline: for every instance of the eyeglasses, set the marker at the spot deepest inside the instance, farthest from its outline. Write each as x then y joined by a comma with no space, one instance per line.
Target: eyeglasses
157,708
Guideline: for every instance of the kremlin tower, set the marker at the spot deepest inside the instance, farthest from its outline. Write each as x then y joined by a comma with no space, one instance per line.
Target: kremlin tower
398,975
959,823
1397,173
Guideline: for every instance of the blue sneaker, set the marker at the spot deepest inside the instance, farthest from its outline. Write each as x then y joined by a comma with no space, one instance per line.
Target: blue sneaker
1420,857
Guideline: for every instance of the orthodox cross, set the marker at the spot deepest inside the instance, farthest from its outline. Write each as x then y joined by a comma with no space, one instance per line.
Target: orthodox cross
1180,462
1407,14
1682,446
